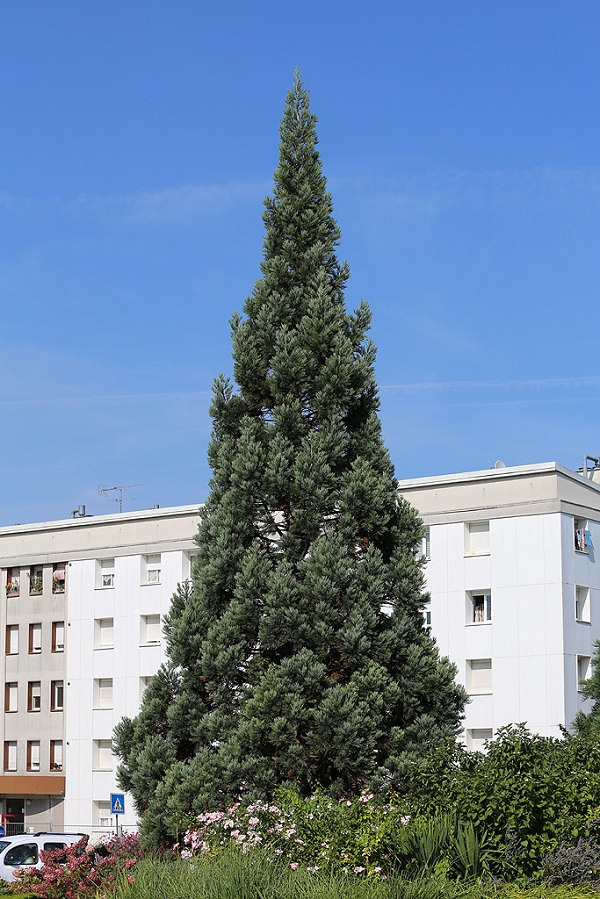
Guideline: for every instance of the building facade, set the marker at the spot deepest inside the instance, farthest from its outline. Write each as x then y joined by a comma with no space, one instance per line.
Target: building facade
515,589
82,625
515,603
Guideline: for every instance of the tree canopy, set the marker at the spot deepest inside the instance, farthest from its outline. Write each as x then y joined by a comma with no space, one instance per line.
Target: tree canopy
298,654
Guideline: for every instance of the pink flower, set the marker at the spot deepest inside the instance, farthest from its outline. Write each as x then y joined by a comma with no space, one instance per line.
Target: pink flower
293,865
359,869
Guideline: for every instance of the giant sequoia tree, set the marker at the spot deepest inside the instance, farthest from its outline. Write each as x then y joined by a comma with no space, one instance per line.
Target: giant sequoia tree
298,653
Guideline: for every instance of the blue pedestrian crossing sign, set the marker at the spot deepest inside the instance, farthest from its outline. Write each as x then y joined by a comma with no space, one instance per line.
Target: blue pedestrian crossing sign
117,803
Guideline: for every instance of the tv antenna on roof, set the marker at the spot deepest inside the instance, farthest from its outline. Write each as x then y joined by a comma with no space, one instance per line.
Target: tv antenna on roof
104,491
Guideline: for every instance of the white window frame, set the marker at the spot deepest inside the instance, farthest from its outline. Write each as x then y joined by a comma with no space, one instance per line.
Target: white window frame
105,574
425,548
150,630
584,670
581,535
103,755
189,562
479,677
477,737
582,604
479,607
104,633
151,570
477,538
103,693
102,815
144,681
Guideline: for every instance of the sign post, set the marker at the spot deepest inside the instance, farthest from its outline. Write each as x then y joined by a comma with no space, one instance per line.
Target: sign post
117,807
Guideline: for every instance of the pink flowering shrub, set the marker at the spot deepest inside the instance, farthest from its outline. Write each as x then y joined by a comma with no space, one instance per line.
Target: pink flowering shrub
82,870
318,833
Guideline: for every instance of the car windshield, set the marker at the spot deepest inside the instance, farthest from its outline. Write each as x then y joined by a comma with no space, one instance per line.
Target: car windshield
3,845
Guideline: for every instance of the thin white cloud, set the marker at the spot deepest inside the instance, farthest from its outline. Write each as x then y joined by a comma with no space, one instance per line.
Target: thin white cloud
91,399
427,195
522,384
165,205
175,204
421,196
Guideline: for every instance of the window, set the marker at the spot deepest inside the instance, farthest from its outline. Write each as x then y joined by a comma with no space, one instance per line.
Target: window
36,580
103,757
479,676
103,693
150,629
478,737
33,755
22,854
59,575
479,608
151,569
10,755
34,696
583,539
144,681
477,538
11,693
12,639
105,573
427,617
13,581
425,549
584,670
188,566
56,755
57,696
35,638
102,814
103,633
58,636
582,603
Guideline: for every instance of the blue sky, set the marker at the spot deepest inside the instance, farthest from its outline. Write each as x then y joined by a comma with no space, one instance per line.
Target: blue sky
461,142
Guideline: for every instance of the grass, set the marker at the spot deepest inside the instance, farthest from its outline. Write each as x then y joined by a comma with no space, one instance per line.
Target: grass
235,876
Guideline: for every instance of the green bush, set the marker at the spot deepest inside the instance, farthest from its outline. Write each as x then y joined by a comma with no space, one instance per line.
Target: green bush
528,793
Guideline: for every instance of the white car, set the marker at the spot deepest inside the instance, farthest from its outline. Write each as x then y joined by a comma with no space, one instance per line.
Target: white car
23,850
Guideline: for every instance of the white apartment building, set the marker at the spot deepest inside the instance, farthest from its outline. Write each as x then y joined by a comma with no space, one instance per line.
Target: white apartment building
82,619
515,603
515,589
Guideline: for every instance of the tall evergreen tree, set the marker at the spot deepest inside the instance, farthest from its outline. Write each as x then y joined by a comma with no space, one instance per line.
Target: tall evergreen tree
298,655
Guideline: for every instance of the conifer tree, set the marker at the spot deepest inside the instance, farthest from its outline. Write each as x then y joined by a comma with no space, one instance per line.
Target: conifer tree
587,724
298,655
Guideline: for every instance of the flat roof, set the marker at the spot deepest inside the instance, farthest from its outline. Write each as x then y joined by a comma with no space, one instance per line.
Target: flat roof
509,471
111,518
